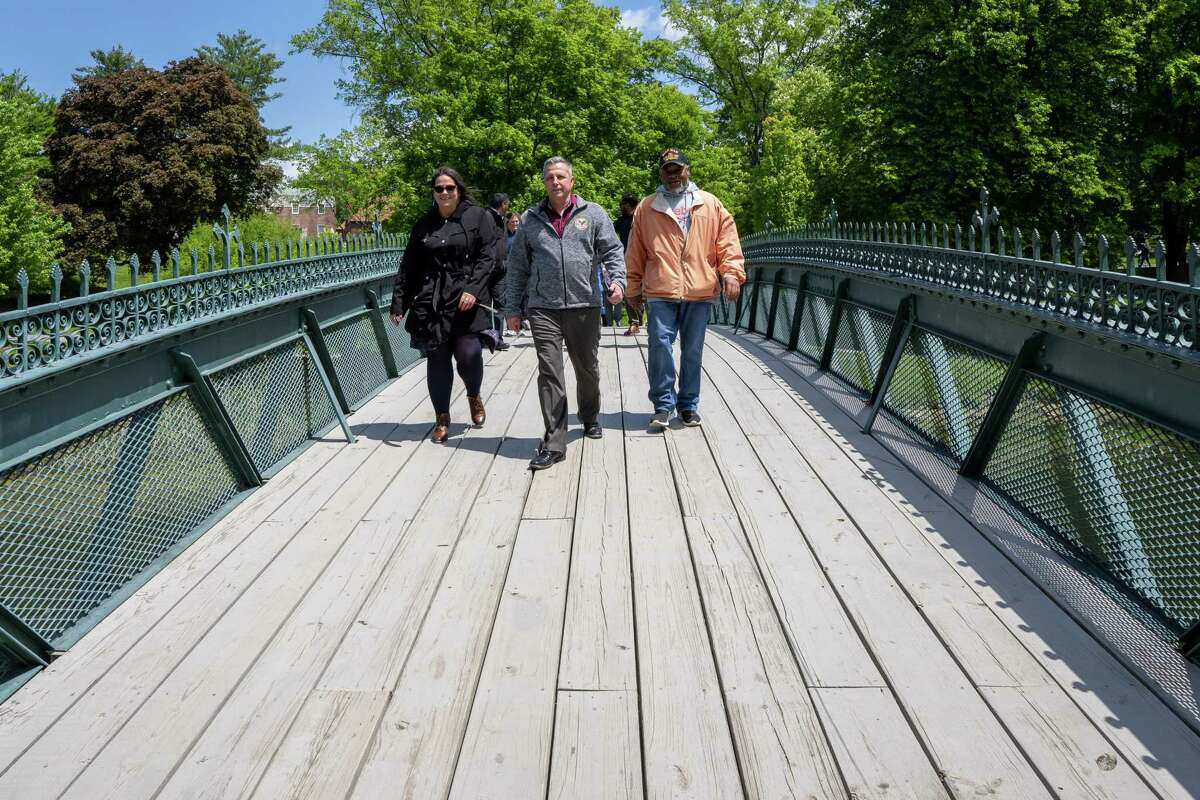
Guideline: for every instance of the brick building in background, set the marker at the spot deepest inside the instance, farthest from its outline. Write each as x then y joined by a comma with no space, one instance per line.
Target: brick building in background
302,209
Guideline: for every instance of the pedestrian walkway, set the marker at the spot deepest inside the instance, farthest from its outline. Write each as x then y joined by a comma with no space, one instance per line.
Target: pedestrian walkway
767,606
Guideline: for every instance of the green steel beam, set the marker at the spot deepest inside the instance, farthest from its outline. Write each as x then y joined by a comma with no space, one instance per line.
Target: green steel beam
227,435
1189,643
316,339
902,325
1001,407
22,640
755,290
794,333
385,344
774,310
835,319
319,367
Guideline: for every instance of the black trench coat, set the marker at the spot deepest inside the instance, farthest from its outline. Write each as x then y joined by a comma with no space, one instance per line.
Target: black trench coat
443,259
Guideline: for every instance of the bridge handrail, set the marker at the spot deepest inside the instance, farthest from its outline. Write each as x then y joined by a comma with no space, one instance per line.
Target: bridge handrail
33,339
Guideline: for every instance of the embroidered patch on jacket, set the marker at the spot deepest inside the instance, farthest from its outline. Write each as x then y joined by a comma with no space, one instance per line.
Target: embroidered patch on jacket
581,223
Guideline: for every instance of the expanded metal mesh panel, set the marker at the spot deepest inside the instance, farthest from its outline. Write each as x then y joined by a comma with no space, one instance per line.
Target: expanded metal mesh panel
80,522
1122,490
356,357
814,325
743,318
858,350
766,291
783,315
943,389
276,401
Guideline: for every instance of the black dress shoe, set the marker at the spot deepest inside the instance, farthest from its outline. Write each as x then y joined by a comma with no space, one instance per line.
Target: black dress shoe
593,430
544,459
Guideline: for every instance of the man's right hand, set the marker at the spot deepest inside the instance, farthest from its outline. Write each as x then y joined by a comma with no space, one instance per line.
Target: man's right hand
514,324
397,318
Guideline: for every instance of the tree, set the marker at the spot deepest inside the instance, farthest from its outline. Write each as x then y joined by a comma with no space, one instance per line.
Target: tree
137,157
108,62
737,54
356,168
250,66
475,84
30,233
1164,128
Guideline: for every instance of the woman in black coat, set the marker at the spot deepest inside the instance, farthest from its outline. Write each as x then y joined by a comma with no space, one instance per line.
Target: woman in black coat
443,277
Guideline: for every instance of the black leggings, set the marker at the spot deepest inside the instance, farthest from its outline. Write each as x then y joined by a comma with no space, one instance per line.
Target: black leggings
439,375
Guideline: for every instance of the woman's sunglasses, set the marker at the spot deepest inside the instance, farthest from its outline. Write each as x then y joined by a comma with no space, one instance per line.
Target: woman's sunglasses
445,189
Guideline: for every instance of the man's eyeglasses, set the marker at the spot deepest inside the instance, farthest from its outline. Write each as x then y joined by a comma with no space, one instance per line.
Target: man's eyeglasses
445,189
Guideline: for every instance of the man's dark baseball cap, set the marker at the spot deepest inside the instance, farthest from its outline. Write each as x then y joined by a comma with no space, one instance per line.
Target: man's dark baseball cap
672,155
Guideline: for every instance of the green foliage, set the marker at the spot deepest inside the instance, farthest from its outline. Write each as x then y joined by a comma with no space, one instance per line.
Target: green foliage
357,168
108,62
494,88
137,157
30,232
251,66
739,53
258,226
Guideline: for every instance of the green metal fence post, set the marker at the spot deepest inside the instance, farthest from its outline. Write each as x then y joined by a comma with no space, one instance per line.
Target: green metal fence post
320,367
23,641
835,318
316,338
385,344
1001,407
222,424
794,333
902,325
773,312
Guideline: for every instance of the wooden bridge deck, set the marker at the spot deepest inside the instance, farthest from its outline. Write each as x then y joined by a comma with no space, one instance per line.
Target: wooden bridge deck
767,606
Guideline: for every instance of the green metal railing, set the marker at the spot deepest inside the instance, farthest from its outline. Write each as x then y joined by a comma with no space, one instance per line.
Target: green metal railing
1068,392
132,419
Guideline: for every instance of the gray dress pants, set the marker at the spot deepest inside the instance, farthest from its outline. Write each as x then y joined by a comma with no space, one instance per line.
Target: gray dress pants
580,329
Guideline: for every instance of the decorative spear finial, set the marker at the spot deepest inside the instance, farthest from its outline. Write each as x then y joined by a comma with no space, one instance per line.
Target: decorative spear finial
228,235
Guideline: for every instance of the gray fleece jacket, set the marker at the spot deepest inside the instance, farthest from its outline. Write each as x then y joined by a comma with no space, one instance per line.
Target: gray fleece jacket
545,271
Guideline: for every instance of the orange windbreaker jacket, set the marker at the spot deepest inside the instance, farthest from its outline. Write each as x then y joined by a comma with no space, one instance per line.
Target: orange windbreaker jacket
660,264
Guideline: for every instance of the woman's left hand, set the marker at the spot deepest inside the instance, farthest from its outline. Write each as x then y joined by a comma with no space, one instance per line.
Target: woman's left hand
466,302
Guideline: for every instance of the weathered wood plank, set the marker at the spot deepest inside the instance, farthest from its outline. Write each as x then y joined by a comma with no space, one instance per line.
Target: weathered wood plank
506,750
877,750
636,409
594,757
419,737
336,722
1101,689
28,714
1076,760
776,732
598,641
686,739
929,684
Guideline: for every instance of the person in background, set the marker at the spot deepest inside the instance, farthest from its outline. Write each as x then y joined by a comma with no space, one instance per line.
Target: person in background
623,224
514,222
445,272
552,272
499,211
683,252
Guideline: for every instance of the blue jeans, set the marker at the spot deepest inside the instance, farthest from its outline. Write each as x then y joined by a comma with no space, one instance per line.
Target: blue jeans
667,319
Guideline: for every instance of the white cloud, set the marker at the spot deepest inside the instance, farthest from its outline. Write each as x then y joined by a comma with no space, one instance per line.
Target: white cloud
651,22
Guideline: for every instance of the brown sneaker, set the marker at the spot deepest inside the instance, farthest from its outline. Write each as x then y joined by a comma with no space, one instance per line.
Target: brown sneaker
478,412
441,429
633,329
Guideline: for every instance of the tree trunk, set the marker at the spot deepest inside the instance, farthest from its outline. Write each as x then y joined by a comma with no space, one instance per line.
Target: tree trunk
1177,224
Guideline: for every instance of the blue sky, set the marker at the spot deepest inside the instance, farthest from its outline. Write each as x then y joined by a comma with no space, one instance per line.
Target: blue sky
48,40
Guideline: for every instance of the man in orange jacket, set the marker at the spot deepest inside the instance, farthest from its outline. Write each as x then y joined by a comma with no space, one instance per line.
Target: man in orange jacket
683,252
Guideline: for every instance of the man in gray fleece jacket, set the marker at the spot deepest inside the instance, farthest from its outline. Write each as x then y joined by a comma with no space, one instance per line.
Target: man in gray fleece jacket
552,272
